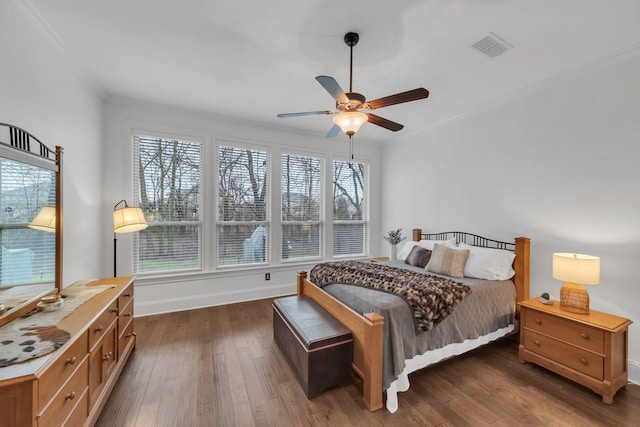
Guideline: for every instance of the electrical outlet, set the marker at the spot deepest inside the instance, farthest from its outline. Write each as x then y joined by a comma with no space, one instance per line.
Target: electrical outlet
267,276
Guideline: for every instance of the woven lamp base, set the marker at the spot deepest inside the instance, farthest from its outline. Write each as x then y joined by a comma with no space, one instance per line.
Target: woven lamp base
574,298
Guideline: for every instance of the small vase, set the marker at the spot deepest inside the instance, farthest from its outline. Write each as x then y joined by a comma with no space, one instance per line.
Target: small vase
393,252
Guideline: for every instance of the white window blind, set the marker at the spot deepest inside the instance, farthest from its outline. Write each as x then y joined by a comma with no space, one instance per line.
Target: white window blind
167,187
28,255
243,201
350,216
301,207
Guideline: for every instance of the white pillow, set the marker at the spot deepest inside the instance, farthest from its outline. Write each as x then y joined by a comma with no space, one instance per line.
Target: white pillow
488,263
406,249
428,244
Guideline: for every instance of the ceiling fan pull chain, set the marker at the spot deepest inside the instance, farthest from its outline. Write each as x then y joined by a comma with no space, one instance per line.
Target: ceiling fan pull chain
351,154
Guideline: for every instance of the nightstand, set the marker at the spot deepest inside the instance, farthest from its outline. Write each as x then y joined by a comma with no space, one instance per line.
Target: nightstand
380,259
590,349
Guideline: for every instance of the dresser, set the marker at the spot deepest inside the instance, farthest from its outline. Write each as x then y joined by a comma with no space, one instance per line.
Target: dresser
70,386
590,349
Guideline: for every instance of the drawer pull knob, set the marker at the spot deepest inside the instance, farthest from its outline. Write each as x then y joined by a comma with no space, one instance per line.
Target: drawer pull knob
106,356
99,329
583,360
584,335
127,315
115,310
538,321
70,396
128,336
70,361
536,342
127,295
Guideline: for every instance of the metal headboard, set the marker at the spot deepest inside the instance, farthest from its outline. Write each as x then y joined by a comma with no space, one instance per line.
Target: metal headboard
469,239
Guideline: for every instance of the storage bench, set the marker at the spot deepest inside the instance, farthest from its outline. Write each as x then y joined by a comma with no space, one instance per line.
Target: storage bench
317,346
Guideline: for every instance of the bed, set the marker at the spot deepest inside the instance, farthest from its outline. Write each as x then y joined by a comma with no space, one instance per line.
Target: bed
363,312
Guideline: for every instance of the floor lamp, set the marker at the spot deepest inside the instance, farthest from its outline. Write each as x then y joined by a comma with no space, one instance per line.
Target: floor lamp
125,220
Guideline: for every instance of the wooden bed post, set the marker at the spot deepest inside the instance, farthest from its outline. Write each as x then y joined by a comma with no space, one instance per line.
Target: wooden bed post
417,232
302,275
521,266
372,378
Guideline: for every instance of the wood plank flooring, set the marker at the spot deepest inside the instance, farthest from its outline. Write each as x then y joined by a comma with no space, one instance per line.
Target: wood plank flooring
219,366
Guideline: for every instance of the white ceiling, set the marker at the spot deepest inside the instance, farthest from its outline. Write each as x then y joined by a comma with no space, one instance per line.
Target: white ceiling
258,58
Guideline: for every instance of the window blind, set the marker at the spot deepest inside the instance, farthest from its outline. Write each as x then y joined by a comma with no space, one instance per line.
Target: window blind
242,224
301,207
350,222
167,187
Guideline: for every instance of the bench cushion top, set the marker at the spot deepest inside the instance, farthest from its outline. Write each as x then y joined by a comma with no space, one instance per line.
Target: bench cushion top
312,324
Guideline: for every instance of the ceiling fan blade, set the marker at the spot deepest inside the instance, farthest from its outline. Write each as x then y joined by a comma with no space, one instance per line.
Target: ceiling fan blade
306,113
398,98
334,131
331,85
385,123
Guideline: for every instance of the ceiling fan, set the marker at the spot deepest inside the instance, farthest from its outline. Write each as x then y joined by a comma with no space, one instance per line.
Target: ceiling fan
349,105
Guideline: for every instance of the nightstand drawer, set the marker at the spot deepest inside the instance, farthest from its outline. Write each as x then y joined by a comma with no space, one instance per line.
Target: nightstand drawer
574,333
578,359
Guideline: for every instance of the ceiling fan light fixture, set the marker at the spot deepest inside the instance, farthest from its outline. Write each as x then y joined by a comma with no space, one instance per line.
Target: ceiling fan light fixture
350,121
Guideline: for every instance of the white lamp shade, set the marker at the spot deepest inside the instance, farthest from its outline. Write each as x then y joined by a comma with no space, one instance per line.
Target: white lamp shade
350,122
128,220
45,220
576,268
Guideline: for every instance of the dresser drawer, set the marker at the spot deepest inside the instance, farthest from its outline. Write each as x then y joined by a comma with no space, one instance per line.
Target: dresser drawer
80,413
61,369
125,317
99,327
575,333
125,338
568,355
64,402
125,297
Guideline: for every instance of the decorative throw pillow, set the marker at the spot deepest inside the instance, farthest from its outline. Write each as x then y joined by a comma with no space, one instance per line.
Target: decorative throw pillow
428,244
406,248
447,261
418,256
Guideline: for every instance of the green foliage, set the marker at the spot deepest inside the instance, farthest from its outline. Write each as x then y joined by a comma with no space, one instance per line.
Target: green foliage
394,236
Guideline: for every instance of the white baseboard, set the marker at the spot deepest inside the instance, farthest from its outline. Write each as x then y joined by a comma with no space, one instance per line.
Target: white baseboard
192,302
634,372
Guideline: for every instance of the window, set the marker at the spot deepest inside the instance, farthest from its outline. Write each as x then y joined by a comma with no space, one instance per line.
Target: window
167,186
243,194
349,209
301,207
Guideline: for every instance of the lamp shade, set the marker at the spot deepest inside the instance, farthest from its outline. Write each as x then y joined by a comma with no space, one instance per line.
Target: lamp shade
45,220
350,122
128,220
576,268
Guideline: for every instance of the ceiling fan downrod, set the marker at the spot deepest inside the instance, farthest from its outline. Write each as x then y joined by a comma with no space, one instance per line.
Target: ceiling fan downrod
351,39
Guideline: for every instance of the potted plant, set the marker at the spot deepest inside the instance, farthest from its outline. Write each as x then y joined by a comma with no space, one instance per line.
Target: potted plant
394,237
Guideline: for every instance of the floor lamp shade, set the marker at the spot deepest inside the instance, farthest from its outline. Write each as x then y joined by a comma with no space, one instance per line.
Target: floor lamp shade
45,220
125,220
576,270
128,220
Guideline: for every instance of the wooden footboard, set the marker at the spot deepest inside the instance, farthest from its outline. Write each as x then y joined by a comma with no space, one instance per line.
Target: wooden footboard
367,332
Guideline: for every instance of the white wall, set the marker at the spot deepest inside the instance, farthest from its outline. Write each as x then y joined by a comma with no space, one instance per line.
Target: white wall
557,163
42,92
182,292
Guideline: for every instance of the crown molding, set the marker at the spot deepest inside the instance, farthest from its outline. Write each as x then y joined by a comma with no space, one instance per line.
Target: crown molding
571,74
41,24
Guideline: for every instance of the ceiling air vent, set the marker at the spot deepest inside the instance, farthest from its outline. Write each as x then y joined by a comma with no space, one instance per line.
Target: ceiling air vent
492,45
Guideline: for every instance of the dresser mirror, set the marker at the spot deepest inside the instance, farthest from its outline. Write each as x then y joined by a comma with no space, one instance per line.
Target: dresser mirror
31,225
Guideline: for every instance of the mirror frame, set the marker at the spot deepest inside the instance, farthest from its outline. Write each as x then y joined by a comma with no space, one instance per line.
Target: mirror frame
20,149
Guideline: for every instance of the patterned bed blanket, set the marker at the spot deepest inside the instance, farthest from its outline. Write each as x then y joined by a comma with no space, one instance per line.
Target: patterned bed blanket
430,298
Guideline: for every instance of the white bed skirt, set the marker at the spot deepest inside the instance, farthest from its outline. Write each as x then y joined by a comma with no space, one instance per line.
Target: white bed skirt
434,356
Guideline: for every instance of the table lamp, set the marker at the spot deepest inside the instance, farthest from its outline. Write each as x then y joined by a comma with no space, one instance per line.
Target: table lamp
576,270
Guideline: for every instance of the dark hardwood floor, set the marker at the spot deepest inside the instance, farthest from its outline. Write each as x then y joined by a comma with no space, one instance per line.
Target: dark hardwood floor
219,366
